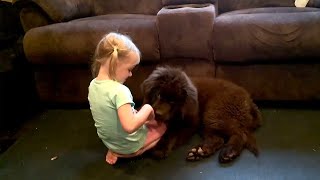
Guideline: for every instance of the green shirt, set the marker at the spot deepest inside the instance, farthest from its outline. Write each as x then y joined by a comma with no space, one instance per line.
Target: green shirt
105,97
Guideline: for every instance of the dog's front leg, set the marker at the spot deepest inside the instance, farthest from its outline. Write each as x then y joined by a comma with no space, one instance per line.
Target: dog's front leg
184,135
170,141
164,146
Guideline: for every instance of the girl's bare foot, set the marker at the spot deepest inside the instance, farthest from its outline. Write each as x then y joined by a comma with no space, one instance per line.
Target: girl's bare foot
111,158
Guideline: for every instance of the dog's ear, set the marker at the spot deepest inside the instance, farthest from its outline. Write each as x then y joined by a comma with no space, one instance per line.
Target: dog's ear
144,92
184,94
147,87
189,114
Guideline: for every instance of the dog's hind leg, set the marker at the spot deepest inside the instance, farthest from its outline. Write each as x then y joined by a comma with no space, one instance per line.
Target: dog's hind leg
234,147
211,144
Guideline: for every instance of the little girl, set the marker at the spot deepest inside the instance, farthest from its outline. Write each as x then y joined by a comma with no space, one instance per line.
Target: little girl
125,131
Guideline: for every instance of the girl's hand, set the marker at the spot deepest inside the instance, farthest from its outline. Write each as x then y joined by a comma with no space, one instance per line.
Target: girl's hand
151,116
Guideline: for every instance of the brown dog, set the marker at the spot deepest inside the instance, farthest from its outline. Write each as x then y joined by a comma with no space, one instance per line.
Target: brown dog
222,112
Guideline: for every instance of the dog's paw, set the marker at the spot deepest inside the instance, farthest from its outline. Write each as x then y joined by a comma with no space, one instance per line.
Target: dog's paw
228,154
196,154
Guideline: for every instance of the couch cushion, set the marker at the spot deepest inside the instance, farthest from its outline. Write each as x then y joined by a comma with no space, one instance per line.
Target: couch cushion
262,34
74,42
231,5
150,7
179,2
62,10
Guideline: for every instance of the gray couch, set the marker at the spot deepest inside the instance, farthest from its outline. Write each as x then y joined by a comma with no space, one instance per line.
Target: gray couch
268,47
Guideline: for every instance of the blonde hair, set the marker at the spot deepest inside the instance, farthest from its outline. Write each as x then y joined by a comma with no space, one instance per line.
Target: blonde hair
112,47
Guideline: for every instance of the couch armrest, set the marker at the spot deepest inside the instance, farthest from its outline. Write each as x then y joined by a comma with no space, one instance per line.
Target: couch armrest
32,17
185,31
65,10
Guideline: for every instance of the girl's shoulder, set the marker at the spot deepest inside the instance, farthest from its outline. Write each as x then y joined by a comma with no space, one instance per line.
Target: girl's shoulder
110,86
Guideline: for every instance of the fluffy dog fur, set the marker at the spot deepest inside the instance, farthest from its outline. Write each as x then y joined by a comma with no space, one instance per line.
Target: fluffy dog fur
222,112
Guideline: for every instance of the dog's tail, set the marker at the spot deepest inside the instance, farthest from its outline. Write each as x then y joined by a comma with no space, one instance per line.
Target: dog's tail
256,122
251,144
256,116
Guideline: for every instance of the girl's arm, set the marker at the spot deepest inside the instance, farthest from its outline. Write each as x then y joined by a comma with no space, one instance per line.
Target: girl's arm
131,121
